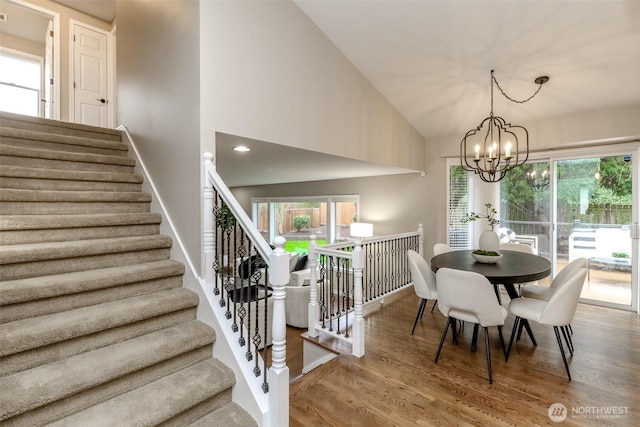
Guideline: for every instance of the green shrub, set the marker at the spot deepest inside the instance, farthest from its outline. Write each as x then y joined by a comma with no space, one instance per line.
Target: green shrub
620,255
301,221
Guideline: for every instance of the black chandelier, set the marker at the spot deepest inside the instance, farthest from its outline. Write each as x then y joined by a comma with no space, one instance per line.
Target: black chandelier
539,180
495,146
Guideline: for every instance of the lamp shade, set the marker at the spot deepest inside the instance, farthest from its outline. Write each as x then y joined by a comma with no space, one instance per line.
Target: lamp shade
361,229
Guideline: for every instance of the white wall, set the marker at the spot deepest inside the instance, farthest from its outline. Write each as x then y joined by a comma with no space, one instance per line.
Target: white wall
268,73
158,100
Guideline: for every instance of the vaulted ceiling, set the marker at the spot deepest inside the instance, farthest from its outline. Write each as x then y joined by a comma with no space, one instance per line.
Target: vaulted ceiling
432,59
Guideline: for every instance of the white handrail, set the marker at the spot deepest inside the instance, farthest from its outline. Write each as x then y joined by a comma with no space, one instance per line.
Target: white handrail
264,250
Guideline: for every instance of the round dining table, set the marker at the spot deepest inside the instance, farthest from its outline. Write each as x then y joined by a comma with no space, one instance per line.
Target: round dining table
511,269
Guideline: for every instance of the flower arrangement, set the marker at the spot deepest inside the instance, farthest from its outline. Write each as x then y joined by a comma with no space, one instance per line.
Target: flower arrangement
490,216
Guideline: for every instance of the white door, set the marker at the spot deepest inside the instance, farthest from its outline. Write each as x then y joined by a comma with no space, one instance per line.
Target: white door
48,73
90,77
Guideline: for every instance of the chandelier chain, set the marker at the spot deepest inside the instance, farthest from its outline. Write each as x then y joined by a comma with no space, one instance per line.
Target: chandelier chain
515,100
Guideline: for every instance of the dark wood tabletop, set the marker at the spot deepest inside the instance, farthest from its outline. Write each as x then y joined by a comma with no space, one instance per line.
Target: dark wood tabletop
513,267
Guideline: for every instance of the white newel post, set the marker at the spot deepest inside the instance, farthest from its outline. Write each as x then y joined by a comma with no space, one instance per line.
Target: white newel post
208,222
358,320
314,307
421,239
279,372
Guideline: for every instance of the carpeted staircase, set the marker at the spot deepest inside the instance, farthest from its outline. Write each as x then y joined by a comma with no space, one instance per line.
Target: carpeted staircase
95,326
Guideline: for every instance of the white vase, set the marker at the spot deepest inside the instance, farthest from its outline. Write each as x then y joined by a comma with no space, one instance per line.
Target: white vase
489,241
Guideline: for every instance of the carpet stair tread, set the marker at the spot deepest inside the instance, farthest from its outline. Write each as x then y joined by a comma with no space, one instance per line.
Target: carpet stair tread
40,222
50,286
79,248
15,195
57,127
9,171
26,334
24,137
44,384
40,153
161,400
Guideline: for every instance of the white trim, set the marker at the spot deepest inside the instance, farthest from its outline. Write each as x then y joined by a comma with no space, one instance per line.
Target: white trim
110,37
57,79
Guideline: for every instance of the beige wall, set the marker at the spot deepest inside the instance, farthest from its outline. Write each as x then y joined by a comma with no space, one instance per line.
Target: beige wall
67,14
158,100
393,203
268,73
22,45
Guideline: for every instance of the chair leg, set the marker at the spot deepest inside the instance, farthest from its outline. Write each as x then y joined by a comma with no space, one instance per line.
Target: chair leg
434,305
516,323
567,338
423,302
454,338
444,335
474,339
564,357
570,329
504,347
495,288
488,345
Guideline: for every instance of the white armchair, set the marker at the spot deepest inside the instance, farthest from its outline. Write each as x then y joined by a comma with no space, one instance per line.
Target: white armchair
296,304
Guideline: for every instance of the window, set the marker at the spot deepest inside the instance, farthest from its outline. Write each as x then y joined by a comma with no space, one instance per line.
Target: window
327,218
20,82
459,204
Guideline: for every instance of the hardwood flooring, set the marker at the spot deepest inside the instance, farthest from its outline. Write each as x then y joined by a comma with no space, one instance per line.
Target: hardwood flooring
397,382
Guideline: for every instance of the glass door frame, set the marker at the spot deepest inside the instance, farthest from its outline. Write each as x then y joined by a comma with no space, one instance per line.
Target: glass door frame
632,148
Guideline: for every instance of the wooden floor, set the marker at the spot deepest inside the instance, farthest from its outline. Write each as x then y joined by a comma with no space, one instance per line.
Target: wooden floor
397,382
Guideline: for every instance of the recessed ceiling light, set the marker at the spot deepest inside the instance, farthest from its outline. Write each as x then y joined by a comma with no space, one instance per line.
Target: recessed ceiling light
241,148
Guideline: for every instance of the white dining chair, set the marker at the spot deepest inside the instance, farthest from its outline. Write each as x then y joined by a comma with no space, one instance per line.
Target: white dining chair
424,283
518,247
545,292
468,296
440,248
558,311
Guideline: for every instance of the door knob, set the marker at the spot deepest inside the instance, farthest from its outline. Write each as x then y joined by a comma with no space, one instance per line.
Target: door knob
104,101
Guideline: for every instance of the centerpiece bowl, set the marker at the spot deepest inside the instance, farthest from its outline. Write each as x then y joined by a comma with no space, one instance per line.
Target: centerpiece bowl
486,257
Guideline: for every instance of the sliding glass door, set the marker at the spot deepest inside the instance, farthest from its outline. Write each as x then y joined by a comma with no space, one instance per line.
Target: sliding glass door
593,215
580,206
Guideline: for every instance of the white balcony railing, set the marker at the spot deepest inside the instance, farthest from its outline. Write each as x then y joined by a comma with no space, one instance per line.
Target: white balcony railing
346,276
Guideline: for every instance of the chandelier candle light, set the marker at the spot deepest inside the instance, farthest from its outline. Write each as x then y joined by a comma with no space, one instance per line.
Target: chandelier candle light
496,144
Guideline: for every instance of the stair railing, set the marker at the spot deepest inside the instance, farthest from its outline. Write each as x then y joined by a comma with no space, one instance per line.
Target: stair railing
247,279
346,276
